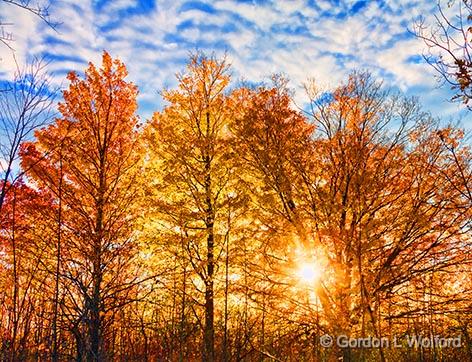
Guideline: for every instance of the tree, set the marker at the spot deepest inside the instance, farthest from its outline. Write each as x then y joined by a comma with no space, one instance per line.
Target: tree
22,276
190,143
362,191
382,209
26,104
449,46
274,137
88,161
233,226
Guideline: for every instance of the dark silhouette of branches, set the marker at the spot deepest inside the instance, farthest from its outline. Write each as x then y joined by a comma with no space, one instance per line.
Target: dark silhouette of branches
448,40
36,8
26,103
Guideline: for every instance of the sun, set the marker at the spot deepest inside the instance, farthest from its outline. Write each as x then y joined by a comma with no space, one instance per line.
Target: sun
308,272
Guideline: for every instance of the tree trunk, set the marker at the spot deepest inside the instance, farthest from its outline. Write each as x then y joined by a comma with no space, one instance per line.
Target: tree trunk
15,283
209,334
209,302
55,355
97,273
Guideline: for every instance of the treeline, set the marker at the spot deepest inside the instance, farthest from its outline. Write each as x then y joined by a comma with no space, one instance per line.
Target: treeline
232,226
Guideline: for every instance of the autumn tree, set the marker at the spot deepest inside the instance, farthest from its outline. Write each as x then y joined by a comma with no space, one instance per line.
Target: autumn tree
381,206
360,191
190,142
88,161
274,141
23,281
233,226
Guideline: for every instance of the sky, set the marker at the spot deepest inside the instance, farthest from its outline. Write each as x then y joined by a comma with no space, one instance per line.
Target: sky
305,39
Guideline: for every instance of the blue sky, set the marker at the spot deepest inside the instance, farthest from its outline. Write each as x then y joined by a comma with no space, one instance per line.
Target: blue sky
324,40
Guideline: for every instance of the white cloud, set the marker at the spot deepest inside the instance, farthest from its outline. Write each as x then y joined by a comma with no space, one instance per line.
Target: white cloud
326,48
23,31
118,5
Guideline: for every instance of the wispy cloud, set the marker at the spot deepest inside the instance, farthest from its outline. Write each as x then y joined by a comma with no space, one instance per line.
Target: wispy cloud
302,38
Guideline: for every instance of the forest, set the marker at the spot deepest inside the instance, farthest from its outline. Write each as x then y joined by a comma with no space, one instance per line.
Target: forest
234,224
